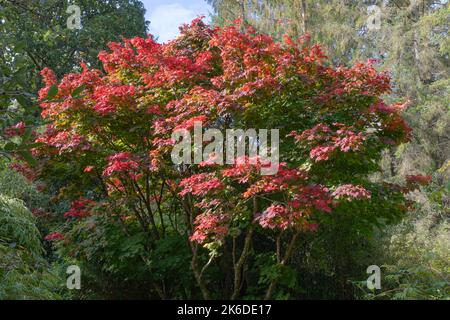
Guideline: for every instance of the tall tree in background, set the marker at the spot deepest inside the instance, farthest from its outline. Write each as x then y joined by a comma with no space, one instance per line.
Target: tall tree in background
341,34
411,41
34,34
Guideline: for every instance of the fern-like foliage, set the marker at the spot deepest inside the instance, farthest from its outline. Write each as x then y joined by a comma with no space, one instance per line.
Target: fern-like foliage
24,274
18,226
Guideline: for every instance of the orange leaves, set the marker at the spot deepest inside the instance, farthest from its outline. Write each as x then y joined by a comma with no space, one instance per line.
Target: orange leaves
110,97
48,76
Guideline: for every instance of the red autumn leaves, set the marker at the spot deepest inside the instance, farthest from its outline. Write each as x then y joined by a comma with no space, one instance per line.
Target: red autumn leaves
80,208
120,123
323,140
15,130
121,162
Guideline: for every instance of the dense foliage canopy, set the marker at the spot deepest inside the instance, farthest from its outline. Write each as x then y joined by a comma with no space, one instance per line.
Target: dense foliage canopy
115,130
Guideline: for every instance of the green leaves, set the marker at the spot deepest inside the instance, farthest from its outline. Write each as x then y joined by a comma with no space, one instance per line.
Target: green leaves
23,148
24,102
28,157
52,92
17,225
78,91
24,274
10,146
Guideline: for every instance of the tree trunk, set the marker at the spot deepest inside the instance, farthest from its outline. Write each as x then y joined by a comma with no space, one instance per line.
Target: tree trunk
240,264
287,256
303,13
197,273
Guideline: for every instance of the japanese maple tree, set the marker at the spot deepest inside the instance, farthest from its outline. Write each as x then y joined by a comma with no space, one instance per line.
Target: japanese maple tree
117,124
